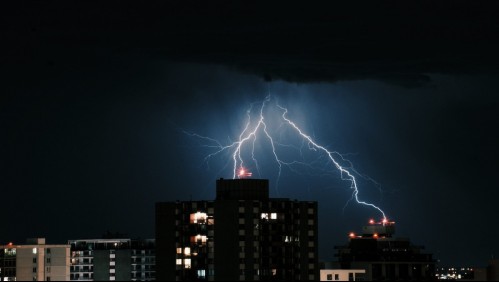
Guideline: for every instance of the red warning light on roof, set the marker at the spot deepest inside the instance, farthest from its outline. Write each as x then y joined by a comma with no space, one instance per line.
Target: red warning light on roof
244,173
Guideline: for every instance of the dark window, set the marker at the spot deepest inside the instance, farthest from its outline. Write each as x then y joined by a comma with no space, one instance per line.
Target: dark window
330,277
48,260
350,276
48,278
336,277
34,260
48,250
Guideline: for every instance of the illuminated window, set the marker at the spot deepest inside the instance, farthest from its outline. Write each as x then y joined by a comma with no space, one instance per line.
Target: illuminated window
265,216
34,251
201,273
179,261
187,251
179,250
199,239
187,263
273,215
199,218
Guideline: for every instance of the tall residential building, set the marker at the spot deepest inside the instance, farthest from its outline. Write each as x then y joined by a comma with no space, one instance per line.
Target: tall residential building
385,257
34,261
241,235
113,259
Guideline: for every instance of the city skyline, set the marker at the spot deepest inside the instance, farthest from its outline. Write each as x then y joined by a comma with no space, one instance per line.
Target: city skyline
95,102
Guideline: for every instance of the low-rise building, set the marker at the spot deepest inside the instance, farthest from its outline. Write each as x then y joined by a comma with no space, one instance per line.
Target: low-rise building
34,261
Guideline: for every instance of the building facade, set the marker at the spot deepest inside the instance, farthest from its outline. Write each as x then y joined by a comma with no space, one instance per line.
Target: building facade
34,261
385,257
241,235
343,274
113,259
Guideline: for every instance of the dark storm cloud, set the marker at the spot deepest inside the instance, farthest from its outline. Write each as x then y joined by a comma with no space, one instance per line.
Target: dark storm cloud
400,43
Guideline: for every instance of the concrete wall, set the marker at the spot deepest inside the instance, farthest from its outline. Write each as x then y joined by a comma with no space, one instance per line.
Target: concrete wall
41,264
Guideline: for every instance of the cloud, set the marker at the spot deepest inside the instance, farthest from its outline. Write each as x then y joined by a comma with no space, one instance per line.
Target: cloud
391,42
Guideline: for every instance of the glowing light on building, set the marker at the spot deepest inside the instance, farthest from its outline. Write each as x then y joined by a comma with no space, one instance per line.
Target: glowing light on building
243,173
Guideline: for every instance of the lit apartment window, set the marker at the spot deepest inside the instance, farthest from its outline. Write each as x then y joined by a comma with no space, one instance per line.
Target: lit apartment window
179,261
268,216
34,251
199,218
179,250
187,251
199,239
187,263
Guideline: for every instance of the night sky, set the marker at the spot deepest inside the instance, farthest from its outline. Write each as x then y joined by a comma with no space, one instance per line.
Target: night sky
95,101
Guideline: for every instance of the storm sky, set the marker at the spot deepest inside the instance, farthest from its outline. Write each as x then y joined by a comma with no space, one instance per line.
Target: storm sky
95,101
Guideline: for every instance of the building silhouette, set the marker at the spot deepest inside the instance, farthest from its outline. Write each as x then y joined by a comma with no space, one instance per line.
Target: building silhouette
34,261
385,257
113,259
241,235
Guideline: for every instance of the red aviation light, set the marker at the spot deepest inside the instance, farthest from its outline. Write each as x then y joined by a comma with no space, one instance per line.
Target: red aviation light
244,173
375,236
351,235
371,221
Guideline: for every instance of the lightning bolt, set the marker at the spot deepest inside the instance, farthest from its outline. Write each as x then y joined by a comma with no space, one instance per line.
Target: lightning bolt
249,136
